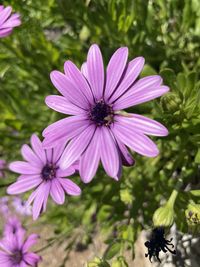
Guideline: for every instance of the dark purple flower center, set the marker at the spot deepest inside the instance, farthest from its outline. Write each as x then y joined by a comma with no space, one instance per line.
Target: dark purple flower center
101,113
49,172
17,257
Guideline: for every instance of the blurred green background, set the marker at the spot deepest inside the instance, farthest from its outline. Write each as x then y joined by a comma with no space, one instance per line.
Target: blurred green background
167,34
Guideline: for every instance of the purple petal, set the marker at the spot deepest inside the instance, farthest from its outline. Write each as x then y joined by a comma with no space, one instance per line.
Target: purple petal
38,148
90,159
84,70
144,125
64,173
57,192
70,187
24,168
144,90
58,150
64,134
13,21
95,71
61,104
30,241
115,70
68,89
79,80
31,258
24,185
5,32
138,142
49,154
109,153
127,159
40,199
5,13
133,70
5,260
30,156
76,147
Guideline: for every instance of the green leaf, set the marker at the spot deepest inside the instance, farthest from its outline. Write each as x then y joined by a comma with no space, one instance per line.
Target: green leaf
112,250
169,78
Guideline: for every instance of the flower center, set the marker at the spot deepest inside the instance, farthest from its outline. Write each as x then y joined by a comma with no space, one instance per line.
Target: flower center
101,113
17,257
49,172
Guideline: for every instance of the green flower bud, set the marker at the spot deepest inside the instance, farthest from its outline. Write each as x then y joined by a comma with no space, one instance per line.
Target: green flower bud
170,102
163,216
97,262
193,214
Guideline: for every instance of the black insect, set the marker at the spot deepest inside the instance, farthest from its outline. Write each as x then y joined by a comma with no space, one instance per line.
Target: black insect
158,243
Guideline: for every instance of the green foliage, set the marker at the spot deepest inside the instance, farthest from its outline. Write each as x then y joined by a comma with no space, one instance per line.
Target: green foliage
167,34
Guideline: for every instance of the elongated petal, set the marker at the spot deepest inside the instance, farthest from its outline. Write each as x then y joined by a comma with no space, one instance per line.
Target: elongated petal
23,185
95,71
133,70
57,192
127,159
76,147
5,13
90,159
13,21
70,187
5,32
68,89
115,69
61,104
64,134
141,97
138,142
79,80
24,168
30,156
5,259
66,123
84,70
109,153
58,150
140,88
38,148
29,242
40,199
145,125
64,173
31,259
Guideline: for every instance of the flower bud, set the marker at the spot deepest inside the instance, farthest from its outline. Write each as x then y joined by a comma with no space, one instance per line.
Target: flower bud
97,262
163,216
193,214
170,102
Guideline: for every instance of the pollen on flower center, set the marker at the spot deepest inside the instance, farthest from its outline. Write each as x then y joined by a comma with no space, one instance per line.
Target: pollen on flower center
48,172
101,113
17,257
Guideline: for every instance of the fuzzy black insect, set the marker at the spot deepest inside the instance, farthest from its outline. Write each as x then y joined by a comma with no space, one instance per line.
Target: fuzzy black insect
158,243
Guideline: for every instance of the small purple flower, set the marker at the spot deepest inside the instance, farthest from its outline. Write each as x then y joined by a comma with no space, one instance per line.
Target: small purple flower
21,207
42,171
98,128
8,21
12,226
2,167
4,206
14,250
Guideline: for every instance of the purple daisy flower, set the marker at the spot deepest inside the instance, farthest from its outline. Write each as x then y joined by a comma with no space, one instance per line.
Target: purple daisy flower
21,207
15,251
8,21
12,226
98,128
42,171
4,206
